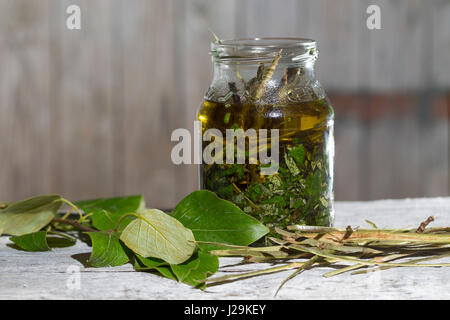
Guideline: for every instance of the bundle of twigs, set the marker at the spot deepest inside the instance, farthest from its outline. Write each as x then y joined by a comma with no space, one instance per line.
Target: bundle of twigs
367,249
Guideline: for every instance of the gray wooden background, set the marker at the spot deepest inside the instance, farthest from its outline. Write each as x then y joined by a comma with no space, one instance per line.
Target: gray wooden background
89,113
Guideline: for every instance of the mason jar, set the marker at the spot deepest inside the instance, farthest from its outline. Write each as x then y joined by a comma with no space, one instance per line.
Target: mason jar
267,132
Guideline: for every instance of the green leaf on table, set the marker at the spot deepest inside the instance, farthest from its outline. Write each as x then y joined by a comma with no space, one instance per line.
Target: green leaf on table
107,250
213,219
203,265
106,212
158,235
200,266
167,272
29,215
60,240
150,263
154,264
182,270
42,241
36,241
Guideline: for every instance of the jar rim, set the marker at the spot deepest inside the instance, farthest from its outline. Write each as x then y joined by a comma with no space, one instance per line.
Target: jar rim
292,49
270,42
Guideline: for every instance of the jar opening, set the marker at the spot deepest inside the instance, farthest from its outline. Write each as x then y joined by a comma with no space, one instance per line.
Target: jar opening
258,49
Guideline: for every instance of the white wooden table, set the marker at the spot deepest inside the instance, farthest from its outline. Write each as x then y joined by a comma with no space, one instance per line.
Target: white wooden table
49,275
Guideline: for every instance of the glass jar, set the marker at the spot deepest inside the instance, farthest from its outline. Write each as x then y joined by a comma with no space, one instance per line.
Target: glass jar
267,132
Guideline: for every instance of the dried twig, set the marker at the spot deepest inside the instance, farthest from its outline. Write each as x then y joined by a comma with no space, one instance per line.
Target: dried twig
267,76
424,224
305,266
364,248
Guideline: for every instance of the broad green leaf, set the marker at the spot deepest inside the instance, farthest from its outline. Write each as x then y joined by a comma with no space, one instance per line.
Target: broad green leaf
43,241
200,266
60,240
207,264
153,264
216,220
298,153
107,212
166,271
107,251
29,215
149,263
156,234
182,270
36,241
32,204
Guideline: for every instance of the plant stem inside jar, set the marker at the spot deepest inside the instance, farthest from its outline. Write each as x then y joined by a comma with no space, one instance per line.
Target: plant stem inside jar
301,191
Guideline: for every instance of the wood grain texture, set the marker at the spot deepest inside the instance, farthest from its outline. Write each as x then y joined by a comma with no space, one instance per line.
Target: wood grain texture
199,19
26,117
89,113
149,107
44,275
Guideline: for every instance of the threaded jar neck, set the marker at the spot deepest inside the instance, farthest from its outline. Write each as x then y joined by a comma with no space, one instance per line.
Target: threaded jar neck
293,51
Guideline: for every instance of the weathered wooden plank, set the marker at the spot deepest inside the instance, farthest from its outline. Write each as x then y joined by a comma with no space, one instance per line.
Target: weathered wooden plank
394,147
263,18
81,112
350,180
335,26
195,67
44,275
407,151
149,108
435,158
347,178
85,75
440,38
26,142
